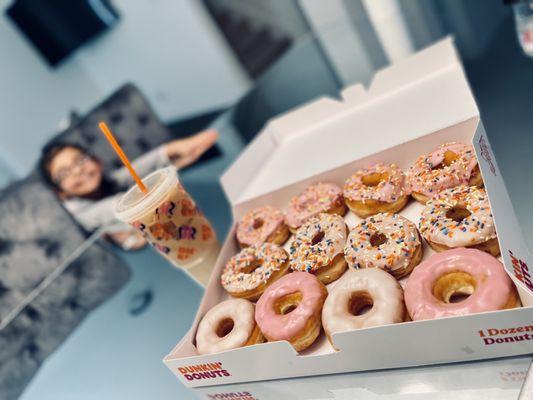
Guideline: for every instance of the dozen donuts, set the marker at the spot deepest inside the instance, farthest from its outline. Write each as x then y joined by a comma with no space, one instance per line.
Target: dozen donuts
362,265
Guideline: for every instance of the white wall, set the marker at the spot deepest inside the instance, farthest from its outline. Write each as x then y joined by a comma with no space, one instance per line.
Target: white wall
170,49
281,16
34,98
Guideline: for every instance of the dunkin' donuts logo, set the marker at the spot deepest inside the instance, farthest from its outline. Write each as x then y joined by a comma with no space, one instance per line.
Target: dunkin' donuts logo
507,335
521,270
485,153
204,371
232,396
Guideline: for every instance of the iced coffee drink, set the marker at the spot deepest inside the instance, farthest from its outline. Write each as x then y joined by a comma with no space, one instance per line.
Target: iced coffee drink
170,221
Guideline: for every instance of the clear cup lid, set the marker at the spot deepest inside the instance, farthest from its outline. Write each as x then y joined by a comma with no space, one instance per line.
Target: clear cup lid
134,203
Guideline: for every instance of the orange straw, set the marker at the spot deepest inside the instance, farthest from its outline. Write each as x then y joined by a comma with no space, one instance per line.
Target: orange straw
111,139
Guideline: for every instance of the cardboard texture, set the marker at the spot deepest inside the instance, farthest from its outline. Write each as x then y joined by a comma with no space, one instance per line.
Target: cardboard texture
409,109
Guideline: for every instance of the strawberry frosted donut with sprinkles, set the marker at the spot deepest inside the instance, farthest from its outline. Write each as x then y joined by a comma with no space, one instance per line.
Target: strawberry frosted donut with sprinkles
264,224
248,273
318,198
318,246
376,189
460,217
386,241
451,164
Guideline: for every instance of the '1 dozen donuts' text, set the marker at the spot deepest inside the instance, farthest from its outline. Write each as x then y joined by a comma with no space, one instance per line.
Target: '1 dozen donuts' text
492,336
204,371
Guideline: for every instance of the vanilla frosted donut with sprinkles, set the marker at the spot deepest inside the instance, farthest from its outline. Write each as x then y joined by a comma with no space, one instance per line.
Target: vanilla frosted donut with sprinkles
451,164
379,188
322,197
248,273
264,224
459,217
318,246
387,241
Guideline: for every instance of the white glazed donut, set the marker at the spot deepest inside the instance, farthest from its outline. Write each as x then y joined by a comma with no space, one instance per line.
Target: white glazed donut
226,326
459,217
387,241
356,290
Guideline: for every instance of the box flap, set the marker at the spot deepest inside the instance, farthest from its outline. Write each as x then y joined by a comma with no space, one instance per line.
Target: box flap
516,255
429,87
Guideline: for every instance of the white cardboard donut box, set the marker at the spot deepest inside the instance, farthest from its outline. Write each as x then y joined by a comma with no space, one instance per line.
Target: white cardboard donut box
409,109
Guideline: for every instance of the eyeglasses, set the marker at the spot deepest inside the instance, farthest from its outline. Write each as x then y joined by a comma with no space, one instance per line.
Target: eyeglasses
66,172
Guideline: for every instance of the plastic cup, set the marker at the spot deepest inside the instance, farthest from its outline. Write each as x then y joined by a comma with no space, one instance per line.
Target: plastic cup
171,222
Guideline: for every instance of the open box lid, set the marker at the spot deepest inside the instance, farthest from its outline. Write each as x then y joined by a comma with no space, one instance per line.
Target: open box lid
422,93
429,87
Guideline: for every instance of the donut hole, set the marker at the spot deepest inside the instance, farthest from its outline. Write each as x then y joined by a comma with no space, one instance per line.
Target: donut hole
224,327
449,158
258,223
377,239
360,303
252,266
458,213
318,238
288,303
454,287
374,179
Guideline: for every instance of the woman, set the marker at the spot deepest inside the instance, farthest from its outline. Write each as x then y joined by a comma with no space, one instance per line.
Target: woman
77,177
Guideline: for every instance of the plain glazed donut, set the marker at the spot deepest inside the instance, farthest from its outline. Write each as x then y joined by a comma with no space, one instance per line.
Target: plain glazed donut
226,326
459,217
318,198
379,188
356,290
318,246
430,288
264,224
387,241
290,309
450,165
249,272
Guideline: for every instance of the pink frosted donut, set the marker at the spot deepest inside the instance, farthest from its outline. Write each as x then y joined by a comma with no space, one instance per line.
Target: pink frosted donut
379,188
451,164
290,309
318,198
461,271
264,224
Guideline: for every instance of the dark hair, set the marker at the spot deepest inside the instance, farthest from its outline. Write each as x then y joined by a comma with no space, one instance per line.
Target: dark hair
107,187
48,154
